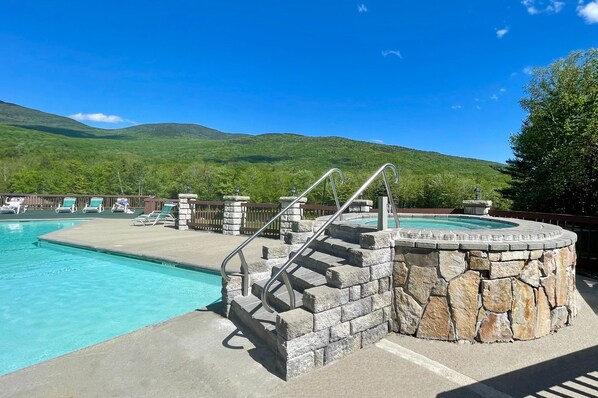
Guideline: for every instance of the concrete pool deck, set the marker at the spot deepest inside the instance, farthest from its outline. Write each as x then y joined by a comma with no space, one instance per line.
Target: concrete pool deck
203,354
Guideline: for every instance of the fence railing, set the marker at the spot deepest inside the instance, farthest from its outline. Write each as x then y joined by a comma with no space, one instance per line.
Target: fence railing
258,214
50,202
153,204
311,212
207,216
585,227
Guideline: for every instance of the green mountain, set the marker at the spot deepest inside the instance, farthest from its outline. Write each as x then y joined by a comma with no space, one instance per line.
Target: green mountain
46,153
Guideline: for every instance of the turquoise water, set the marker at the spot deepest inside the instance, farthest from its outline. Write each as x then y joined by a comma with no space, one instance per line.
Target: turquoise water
455,223
55,299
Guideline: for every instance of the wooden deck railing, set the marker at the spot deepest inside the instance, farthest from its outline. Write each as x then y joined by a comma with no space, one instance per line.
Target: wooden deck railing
50,202
207,215
258,214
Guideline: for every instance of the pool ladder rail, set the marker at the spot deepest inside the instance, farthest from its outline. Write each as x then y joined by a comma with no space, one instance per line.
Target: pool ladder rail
326,177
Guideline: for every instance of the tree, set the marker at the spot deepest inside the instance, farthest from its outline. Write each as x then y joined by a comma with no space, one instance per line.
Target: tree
555,168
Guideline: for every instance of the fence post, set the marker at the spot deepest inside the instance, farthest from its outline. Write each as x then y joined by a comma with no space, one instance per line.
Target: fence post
185,210
292,214
233,214
361,206
149,205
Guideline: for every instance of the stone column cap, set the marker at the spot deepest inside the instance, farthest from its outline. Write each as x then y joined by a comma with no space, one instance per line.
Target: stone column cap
187,196
477,202
292,198
362,202
235,198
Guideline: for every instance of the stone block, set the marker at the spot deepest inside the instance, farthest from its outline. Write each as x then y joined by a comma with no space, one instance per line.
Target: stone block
302,226
543,316
452,264
340,331
505,269
420,283
530,274
347,275
326,319
479,264
354,292
421,257
561,278
549,284
369,288
374,334
276,251
367,321
321,298
319,358
366,258
463,299
356,309
296,238
303,344
497,295
514,255
494,256
376,240
440,288
399,273
294,323
298,366
379,271
341,348
548,263
381,300
523,311
558,318
436,320
384,285
494,328
535,254
408,312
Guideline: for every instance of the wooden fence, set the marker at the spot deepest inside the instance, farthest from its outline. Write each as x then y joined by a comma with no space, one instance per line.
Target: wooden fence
207,216
256,215
585,227
51,202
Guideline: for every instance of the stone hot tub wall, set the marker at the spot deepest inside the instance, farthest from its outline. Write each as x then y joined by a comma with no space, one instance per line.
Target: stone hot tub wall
483,295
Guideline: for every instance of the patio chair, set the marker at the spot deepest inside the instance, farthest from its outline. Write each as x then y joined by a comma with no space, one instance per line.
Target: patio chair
156,216
95,205
121,206
14,206
69,205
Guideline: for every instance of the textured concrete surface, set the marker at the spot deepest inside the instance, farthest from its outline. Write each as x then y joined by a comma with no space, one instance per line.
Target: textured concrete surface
203,354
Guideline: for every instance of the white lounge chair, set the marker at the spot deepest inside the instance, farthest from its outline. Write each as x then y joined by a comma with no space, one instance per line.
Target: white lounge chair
14,206
95,205
121,206
156,217
69,205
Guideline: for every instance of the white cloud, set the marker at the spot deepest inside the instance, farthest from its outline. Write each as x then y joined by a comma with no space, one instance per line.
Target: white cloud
362,8
589,12
528,70
378,141
456,107
494,97
97,117
503,90
392,52
501,32
478,107
535,7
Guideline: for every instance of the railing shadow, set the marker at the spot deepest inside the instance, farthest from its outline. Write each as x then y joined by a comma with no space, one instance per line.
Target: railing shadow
571,375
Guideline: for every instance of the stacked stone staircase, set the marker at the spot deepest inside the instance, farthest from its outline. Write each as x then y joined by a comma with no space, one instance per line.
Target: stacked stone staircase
342,294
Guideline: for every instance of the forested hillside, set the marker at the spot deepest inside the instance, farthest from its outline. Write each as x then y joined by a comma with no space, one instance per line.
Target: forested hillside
44,153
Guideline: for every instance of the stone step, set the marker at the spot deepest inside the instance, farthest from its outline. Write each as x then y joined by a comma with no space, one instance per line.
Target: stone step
333,246
278,296
349,232
302,278
319,261
249,312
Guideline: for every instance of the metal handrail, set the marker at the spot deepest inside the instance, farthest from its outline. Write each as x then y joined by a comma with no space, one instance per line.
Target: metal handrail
282,270
239,249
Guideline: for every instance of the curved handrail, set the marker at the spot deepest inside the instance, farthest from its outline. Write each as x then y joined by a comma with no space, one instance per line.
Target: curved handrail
304,193
282,270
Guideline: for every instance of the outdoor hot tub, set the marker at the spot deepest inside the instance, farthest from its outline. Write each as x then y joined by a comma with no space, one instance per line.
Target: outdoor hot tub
472,278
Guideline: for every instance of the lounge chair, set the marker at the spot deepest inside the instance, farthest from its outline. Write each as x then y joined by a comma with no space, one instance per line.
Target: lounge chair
121,206
155,216
69,205
14,206
95,205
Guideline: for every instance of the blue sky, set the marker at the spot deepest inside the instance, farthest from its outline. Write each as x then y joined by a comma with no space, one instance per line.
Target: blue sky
439,76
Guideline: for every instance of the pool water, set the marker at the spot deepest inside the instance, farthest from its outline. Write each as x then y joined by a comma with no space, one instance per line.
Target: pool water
453,223
55,299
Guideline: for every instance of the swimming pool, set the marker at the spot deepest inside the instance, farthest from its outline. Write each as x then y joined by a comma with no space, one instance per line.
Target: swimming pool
56,299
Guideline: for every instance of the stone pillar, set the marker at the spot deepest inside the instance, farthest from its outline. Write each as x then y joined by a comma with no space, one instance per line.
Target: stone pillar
360,206
185,210
233,214
477,207
292,214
